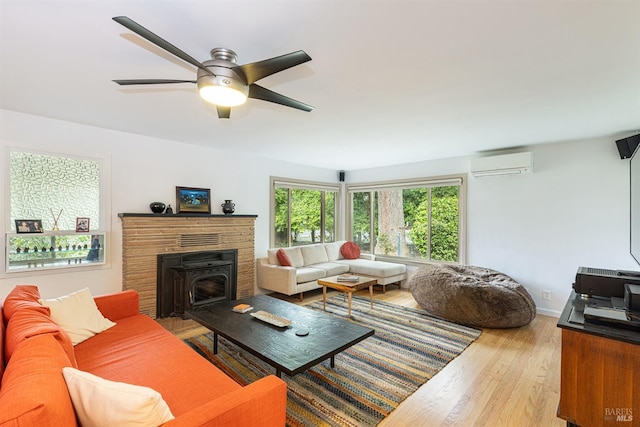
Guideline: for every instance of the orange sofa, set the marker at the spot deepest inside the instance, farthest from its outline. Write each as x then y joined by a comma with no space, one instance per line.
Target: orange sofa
137,350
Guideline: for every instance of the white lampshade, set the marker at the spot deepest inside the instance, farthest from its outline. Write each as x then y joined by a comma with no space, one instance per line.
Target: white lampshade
222,91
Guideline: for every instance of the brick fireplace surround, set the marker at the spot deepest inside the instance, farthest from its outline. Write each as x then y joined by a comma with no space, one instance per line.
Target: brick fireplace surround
145,236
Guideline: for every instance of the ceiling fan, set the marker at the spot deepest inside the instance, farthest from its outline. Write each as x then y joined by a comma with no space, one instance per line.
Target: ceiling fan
220,80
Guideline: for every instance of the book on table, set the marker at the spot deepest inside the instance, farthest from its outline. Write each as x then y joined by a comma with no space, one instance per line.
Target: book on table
242,308
347,278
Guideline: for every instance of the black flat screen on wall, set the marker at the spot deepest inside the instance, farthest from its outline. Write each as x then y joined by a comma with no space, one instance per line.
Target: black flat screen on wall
635,206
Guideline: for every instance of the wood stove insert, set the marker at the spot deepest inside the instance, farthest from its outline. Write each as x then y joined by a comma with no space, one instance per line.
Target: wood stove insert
194,280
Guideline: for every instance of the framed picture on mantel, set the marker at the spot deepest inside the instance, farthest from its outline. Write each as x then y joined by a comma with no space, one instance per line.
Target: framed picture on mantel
193,200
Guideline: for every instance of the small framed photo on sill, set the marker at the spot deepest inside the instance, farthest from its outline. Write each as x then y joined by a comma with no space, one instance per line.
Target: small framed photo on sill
29,226
82,225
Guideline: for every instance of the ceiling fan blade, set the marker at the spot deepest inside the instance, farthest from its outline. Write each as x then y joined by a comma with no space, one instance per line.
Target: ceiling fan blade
159,41
223,112
150,82
264,94
258,70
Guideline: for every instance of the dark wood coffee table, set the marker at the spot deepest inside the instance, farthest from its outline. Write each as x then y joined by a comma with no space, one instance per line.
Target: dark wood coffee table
280,347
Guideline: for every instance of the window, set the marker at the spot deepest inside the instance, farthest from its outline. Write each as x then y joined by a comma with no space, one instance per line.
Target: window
415,220
303,213
64,194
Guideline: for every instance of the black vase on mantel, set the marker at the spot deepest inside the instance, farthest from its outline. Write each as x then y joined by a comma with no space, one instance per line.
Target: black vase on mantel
228,207
157,207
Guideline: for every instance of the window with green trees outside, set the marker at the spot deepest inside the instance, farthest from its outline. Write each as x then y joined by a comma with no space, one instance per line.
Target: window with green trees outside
419,219
303,212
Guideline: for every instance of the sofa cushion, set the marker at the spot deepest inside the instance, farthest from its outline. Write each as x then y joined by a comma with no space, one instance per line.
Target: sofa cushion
333,250
350,250
295,255
308,274
103,403
21,297
118,305
283,258
332,268
78,315
272,257
25,324
314,254
33,388
138,350
373,268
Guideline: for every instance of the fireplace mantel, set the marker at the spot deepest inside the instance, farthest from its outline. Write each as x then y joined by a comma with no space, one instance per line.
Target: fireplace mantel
147,235
184,215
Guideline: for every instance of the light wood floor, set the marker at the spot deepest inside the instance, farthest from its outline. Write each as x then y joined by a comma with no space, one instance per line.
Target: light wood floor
507,377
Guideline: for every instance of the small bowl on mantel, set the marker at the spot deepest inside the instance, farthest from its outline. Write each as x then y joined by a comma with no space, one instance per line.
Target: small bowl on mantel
157,207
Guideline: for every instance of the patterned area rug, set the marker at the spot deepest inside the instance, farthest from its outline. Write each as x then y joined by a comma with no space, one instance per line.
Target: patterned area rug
371,378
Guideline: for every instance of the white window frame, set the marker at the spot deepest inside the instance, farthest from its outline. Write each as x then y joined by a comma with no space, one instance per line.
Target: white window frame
302,185
438,181
104,162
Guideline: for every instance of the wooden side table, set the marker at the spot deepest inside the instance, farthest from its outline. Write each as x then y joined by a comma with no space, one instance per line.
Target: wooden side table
600,369
348,287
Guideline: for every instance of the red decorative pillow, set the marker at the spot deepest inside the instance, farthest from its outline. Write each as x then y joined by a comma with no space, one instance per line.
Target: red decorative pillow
350,250
283,258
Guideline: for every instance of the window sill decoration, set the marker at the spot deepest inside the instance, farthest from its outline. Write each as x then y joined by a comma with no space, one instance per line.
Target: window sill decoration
53,249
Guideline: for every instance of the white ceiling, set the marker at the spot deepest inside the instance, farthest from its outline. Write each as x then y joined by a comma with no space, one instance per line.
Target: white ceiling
392,81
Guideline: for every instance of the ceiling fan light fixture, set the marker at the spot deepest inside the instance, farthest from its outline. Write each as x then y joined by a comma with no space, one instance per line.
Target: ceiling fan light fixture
220,80
223,91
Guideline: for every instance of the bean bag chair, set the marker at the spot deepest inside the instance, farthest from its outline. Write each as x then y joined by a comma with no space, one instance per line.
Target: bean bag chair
472,296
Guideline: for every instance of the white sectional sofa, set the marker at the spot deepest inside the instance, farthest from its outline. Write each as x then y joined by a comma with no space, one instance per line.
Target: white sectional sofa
313,262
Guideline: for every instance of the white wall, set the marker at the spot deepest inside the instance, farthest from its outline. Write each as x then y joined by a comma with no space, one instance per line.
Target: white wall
143,170
572,211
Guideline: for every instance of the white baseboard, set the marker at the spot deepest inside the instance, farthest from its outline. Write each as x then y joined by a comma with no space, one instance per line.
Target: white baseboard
547,312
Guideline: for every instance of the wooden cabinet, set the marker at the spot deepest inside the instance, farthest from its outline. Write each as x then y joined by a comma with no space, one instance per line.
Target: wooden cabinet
600,370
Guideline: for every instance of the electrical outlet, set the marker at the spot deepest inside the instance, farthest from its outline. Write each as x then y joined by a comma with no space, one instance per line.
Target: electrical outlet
546,295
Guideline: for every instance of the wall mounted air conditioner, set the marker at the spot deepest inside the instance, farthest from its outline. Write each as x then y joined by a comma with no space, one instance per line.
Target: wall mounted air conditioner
504,164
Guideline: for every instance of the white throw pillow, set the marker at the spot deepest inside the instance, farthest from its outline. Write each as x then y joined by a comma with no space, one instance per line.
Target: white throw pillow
78,315
99,402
